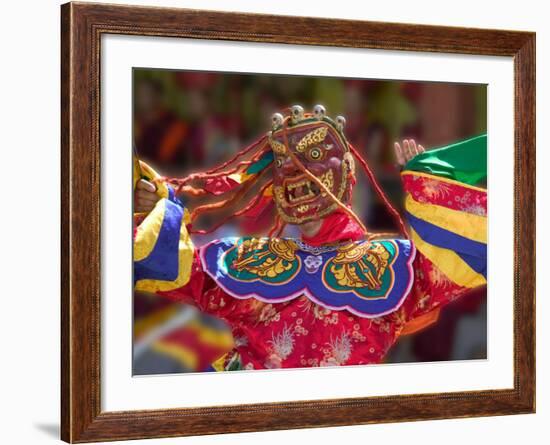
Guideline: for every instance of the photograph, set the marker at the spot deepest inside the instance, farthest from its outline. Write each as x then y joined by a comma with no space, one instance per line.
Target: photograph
289,221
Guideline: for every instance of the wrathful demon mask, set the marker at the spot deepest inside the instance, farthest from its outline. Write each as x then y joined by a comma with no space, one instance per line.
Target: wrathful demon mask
305,145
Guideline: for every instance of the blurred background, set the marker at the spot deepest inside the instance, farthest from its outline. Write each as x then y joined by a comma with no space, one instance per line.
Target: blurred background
188,121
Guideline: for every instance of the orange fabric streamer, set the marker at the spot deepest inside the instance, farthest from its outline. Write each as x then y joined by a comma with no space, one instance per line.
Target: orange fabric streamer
422,322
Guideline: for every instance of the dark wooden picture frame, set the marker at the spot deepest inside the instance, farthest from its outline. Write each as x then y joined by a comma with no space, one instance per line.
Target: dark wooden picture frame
82,419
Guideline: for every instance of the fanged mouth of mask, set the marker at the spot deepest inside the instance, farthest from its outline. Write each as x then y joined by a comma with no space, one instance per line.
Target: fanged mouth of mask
304,190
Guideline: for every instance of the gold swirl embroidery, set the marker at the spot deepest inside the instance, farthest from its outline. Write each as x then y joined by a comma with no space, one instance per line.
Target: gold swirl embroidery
312,138
328,180
279,193
265,261
353,256
277,147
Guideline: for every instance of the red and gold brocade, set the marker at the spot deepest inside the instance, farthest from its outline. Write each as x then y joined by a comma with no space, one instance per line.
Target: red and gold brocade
301,333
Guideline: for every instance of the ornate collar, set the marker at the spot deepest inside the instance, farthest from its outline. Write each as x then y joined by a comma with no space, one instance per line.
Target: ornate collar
368,278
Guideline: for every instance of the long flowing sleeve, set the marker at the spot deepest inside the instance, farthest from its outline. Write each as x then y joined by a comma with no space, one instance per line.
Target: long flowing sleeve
447,216
164,254
163,250
166,261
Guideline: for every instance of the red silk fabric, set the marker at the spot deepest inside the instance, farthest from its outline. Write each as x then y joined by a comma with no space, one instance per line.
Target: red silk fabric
336,227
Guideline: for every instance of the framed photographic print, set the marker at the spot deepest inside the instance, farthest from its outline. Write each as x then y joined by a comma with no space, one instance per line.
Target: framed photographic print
278,222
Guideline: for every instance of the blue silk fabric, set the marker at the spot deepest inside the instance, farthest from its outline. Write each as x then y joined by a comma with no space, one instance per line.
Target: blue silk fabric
368,278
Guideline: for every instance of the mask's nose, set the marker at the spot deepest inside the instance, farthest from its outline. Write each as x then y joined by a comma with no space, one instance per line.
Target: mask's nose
289,168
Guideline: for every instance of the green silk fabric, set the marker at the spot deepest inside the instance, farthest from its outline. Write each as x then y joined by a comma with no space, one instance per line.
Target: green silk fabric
464,161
